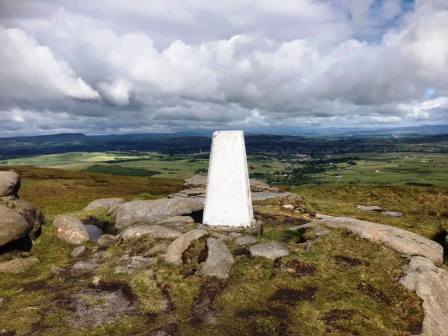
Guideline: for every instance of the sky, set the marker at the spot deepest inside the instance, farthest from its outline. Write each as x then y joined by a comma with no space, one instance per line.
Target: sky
129,66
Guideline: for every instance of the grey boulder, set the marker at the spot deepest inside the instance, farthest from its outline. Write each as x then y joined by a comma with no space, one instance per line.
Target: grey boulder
429,283
271,250
152,211
392,213
106,240
70,229
180,245
219,260
13,225
245,240
104,203
9,183
403,241
156,231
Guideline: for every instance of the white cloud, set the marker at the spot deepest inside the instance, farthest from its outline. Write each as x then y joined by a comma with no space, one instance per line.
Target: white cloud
30,69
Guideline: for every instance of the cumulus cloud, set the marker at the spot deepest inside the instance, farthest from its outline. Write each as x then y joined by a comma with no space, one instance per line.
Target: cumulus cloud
176,64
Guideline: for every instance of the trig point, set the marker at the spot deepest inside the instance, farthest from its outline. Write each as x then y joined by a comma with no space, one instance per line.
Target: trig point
228,201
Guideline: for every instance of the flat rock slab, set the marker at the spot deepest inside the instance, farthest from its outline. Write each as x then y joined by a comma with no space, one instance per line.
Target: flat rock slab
430,283
9,183
71,229
152,211
369,207
104,203
18,265
219,260
245,240
271,250
176,220
392,213
400,240
156,231
180,245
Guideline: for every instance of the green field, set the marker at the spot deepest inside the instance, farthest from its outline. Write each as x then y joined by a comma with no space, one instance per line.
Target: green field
414,169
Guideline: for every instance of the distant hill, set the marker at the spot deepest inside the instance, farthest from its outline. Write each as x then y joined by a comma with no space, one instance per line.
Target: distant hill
428,138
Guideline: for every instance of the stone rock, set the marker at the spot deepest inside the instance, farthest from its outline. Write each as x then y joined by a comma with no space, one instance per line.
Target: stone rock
392,213
369,207
104,203
33,216
180,245
70,229
157,249
18,265
403,241
56,269
12,225
152,211
313,227
106,240
9,183
245,240
288,206
429,283
196,181
156,231
85,266
235,234
176,220
77,251
271,250
219,260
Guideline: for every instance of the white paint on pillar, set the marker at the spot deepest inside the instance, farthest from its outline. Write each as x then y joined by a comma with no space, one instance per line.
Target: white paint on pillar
228,201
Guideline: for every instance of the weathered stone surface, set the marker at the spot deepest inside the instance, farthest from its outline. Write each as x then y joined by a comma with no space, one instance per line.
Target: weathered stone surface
400,240
157,249
314,227
152,211
271,250
156,231
369,207
392,213
106,240
235,234
196,181
288,206
180,245
245,240
430,283
77,251
70,229
18,265
12,225
219,260
9,183
85,266
33,216
105,203
258,185
176,220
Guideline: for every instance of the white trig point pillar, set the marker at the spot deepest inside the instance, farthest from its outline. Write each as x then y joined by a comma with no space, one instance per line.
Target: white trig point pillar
228,201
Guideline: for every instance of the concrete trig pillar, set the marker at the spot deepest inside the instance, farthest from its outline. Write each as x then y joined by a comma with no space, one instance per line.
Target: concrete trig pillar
228,200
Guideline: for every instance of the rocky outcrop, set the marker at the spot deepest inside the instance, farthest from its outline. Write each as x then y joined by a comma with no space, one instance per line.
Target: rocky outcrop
107,204
155,231
152,211
403,241
18,265
245,240
219,260
13,226
271,250
71,229
18,218
180,245
9,183
430,283
176,221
